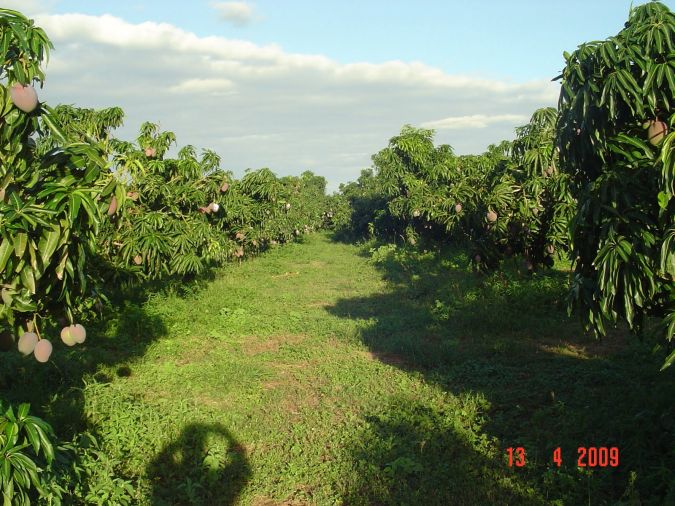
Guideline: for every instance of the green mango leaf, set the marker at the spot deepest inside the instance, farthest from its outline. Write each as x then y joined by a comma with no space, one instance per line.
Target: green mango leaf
20,242
5,253
669,361
22,412
663,199
7,296
62,265
48,243
23,303
54,129
74,206
47,446
28,279
667,264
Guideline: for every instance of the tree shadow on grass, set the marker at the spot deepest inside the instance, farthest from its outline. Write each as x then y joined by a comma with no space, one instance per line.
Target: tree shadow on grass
116,340
414,453
54,389
507,339
119,335
205,465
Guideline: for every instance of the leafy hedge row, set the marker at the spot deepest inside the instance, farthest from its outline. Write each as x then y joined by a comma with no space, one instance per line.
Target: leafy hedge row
511,200
181,215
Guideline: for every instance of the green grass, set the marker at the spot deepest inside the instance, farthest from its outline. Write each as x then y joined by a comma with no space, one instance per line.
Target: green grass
321,374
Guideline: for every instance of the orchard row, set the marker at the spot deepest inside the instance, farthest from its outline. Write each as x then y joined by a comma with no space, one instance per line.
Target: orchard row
81,209
593,179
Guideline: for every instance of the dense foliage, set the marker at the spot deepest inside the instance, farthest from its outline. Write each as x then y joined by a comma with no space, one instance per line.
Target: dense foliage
513,199
616,105
27,457
50,193
594,180
183,215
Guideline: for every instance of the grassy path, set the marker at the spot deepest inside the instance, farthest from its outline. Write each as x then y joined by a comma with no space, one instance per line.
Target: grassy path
313,375
260,372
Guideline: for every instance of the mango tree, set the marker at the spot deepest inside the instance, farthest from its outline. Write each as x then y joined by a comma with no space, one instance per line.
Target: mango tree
526,203
162,228
616,143
510,200
53,192
52,197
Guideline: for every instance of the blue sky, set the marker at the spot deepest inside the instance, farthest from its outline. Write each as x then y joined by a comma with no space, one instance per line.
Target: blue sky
298,85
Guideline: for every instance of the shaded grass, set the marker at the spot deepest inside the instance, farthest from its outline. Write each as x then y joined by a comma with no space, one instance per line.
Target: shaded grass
547,383
316,374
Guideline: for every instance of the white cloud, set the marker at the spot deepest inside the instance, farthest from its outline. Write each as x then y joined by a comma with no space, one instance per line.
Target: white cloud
213,86
260,106
475,121
235,13
250,137
29,7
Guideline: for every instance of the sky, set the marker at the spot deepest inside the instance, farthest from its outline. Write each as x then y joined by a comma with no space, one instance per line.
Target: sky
298,85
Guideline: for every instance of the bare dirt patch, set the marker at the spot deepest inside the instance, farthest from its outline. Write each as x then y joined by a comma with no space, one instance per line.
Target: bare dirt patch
298,390
266,501
286,375
320,304
587,347
253,345
197,349
297,399
192,356
220,403
285,275
385,357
